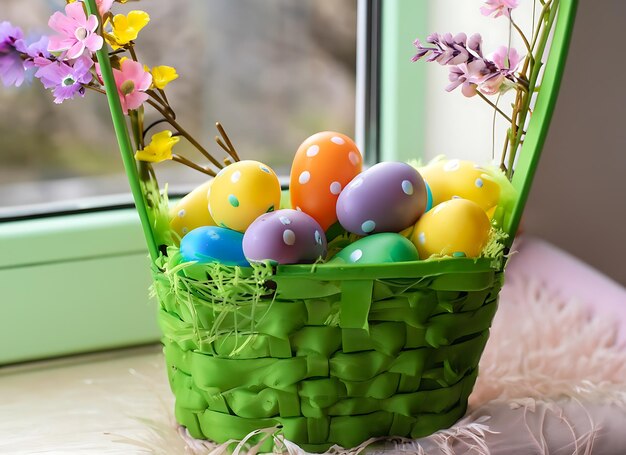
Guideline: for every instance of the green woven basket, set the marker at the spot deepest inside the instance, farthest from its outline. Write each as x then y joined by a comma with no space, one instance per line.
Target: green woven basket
331,354
338,355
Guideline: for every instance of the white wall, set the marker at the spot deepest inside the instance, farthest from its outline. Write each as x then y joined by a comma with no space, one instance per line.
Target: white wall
578,201
458,126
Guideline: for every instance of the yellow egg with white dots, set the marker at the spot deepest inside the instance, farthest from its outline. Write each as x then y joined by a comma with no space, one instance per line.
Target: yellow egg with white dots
453,179
241,192
458,227
192,211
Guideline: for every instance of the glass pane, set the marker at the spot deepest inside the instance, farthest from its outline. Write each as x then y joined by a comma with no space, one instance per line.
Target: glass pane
273,72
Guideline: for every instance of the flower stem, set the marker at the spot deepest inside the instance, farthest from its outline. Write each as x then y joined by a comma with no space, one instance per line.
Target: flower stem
521,34
497,109
525,101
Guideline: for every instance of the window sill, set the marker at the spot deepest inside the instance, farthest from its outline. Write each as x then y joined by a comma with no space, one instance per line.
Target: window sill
72,284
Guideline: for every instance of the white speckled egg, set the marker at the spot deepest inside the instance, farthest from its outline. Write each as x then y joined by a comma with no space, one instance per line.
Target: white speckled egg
388,197
242,192
285,237
453,179
458,227
322,167
192,211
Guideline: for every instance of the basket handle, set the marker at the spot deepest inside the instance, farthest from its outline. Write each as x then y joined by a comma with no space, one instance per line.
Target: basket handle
542,114
123,140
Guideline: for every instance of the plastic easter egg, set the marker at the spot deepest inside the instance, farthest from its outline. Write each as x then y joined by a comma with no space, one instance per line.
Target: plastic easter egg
377,249
242,192
213,244
429,197
388,197
458,227
452,179
322,167
192,211
285,237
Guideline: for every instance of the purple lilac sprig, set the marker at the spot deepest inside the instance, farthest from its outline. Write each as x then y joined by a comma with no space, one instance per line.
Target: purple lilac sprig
12,71
478,74
469,68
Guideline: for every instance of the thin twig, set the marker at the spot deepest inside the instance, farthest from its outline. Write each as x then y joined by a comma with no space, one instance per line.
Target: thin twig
95,89
116,52
131,49
186,162
185,134
221,144
162,102
152,125
233,152
162,92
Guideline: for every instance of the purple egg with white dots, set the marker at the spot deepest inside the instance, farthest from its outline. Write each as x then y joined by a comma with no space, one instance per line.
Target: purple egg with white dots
388,197
284,237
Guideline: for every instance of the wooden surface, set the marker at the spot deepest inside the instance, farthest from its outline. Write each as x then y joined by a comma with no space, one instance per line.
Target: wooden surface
101,403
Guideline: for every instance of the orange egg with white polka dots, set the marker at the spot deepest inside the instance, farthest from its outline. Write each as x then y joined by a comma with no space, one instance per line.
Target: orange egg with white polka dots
324,164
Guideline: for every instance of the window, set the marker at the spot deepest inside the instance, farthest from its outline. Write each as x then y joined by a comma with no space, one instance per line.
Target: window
257,67
73,279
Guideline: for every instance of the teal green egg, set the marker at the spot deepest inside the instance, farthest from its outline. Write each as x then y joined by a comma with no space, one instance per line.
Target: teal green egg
376,249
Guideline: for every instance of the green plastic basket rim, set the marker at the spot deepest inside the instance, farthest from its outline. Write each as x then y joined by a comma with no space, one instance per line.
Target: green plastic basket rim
430,267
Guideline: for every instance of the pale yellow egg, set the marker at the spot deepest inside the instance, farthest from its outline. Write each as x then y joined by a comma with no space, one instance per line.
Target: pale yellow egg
462,179
242,192
192,211
458,227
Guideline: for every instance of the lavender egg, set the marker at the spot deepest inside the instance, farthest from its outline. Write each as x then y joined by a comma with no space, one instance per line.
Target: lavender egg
388,197
284,237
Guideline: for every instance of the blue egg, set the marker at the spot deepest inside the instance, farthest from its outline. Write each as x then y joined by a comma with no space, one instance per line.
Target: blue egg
429,197
213,244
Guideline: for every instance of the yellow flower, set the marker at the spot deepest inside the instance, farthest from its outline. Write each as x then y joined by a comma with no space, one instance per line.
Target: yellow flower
160,148
163,75
126,28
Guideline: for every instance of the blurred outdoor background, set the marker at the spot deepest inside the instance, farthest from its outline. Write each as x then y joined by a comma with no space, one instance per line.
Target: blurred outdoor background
273,72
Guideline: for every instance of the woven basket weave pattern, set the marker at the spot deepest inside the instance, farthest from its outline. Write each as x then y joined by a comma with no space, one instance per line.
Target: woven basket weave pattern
406,370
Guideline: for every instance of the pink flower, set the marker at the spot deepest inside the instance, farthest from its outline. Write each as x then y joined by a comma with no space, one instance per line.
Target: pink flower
132,80
77,32
506,61
104,6
498,7
466,75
